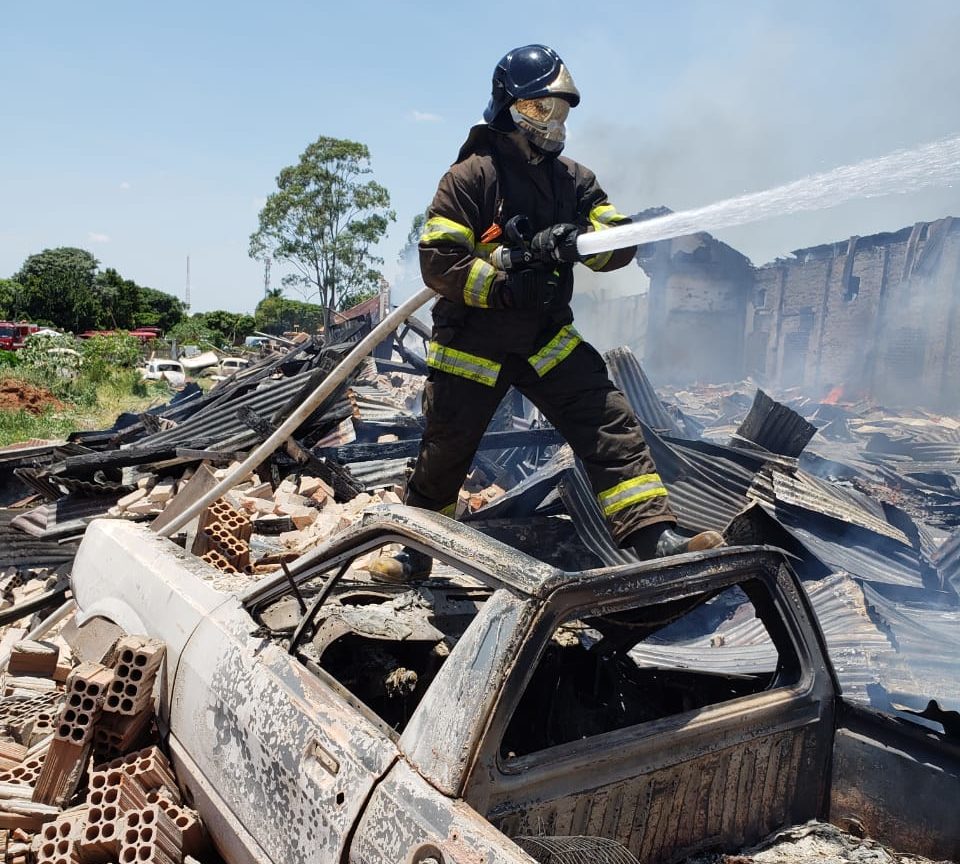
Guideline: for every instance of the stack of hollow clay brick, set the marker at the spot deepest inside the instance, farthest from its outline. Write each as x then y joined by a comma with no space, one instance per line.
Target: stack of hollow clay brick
223,538
80,780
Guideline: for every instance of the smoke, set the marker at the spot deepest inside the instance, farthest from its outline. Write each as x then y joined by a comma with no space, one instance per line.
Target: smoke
787,107
779,102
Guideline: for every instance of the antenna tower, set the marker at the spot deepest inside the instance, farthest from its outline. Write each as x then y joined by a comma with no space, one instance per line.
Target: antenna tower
186,293
266,276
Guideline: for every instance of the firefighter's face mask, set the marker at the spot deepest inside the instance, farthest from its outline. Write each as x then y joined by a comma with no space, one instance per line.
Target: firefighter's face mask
542,121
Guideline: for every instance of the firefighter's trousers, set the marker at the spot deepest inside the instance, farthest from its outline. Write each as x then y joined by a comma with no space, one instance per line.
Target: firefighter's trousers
579,399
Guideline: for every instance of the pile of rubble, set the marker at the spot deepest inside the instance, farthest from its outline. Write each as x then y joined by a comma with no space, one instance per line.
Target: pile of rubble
82,778
866,500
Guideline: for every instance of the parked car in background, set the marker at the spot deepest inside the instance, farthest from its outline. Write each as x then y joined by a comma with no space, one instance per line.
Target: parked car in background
229,365
164,370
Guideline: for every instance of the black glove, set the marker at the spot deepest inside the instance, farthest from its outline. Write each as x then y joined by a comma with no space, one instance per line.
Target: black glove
556,243
529,289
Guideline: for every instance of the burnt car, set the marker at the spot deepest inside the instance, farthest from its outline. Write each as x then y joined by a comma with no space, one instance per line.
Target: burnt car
505,707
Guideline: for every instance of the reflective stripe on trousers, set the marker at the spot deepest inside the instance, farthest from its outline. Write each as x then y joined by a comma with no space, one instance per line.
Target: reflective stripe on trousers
555,351
630,492
462,363
485,371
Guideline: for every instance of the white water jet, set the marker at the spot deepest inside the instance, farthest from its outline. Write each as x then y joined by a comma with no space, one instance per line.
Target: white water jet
934,164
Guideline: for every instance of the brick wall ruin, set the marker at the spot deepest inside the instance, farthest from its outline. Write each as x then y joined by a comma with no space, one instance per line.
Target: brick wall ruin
879,315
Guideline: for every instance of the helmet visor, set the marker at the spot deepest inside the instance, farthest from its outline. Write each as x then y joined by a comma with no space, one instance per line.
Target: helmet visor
545,110
541,120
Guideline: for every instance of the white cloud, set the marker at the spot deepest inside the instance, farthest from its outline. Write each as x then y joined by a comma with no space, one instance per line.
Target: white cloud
124,185
425,117
96,237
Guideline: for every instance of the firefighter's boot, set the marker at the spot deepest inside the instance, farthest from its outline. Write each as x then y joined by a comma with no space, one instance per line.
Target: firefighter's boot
672,543
408,565
655,541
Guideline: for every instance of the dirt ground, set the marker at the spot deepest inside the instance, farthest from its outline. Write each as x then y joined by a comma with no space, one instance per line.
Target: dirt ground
18,396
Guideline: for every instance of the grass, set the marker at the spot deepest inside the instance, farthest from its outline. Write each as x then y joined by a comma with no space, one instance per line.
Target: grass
21,425
98,408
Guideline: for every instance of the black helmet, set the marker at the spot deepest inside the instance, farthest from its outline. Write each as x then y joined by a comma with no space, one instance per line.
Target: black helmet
531,72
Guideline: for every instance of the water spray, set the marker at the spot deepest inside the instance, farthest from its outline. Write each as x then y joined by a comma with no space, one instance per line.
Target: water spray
935,164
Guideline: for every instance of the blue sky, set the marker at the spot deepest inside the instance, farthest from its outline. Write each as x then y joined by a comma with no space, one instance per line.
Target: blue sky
149,132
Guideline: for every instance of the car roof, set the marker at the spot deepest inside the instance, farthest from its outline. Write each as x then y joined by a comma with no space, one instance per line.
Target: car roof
500,565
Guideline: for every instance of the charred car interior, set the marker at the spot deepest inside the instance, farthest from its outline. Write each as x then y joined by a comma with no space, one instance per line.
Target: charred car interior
381,645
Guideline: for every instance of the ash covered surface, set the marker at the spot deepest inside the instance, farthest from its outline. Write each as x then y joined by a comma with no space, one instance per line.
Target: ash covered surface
814,842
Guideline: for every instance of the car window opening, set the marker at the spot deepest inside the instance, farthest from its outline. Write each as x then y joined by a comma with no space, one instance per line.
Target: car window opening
603,674
384,644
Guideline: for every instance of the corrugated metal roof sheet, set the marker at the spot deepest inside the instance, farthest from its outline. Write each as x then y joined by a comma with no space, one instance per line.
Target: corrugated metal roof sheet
775,427
627,373
852,549
221,421
20,550
927,639
381,474
848,506
66,517
857,647
947,561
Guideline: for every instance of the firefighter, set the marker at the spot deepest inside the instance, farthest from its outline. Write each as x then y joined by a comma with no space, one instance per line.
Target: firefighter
496,328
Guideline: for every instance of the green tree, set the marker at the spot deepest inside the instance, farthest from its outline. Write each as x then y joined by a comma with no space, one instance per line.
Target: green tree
277,314
192,331
158,309
323,219
121,300
59,286
9,298
413,236
230,328
103,356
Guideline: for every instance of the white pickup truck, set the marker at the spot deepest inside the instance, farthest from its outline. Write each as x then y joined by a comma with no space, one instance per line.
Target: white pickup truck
505,706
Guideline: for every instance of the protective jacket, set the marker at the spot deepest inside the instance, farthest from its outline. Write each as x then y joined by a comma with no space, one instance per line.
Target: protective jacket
492,181
479,351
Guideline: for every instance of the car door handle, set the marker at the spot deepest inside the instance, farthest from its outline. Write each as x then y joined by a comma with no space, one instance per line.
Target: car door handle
324,757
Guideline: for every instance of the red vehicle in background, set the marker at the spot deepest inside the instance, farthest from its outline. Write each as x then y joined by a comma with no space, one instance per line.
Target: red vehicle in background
14,334
146,334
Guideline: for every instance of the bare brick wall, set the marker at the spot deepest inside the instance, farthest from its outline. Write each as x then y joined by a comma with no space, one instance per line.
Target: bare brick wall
879,315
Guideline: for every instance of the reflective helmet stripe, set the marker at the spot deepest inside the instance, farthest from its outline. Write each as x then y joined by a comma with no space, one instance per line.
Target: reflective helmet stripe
442,230
630,492
461,363
555,351
476,290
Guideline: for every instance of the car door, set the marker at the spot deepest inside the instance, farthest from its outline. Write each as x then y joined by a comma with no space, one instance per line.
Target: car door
290,759
671,747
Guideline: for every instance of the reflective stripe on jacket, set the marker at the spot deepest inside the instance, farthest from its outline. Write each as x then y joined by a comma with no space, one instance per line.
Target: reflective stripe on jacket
486,371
